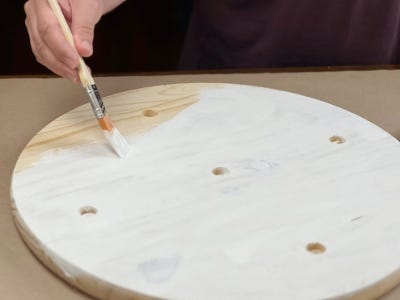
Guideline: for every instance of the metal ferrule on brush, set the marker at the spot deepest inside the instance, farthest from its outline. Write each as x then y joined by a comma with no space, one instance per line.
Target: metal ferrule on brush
95,101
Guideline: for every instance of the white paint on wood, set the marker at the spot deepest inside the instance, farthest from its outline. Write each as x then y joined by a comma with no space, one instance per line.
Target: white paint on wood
241,195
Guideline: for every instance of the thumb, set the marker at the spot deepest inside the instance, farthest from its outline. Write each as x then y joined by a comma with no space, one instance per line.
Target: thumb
84,16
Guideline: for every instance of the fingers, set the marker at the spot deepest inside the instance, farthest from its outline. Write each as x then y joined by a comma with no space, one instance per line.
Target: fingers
85,15
47,41
45,57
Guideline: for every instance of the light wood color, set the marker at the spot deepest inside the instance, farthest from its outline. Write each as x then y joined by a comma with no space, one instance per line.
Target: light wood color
131,112
233,192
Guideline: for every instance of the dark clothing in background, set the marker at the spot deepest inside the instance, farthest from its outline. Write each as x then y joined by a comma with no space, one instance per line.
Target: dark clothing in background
280,33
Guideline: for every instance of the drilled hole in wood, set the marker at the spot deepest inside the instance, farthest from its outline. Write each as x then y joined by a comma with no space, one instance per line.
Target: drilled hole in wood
220,171
337,139
150,113
88,210
316,248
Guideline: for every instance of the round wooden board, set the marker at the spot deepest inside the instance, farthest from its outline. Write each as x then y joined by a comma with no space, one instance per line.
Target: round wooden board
230,192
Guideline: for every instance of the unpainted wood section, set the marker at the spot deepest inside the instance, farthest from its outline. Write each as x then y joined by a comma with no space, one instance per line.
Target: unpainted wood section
130,111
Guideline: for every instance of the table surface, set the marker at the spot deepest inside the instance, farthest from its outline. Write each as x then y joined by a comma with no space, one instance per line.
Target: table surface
28,104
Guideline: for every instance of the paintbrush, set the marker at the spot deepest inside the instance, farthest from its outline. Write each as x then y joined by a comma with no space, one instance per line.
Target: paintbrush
112,134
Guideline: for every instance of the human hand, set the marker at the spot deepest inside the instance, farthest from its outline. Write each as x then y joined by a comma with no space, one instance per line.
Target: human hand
48,43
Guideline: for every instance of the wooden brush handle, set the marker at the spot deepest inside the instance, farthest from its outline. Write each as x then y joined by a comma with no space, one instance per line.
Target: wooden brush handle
83,71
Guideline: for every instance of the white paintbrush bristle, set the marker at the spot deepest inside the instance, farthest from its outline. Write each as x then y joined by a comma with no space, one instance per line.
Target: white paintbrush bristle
118,142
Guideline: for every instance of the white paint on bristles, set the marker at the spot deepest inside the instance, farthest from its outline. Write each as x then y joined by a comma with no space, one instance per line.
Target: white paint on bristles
117,142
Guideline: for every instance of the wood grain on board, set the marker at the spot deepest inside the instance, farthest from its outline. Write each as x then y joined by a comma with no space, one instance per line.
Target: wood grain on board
131,111
230,192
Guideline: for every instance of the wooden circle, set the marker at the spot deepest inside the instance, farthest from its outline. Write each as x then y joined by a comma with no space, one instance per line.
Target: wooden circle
297,214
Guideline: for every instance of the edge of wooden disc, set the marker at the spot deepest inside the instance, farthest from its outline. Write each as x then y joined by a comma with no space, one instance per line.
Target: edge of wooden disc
58,134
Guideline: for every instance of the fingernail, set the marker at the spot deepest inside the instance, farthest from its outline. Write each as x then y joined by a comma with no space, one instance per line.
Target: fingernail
87,46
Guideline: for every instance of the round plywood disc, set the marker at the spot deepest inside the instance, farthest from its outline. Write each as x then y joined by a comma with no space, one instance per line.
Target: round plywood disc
230,192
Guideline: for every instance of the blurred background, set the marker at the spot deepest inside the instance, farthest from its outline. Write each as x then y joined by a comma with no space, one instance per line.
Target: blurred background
139,36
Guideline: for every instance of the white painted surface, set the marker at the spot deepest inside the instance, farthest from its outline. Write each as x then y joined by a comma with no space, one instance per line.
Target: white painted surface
166,226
